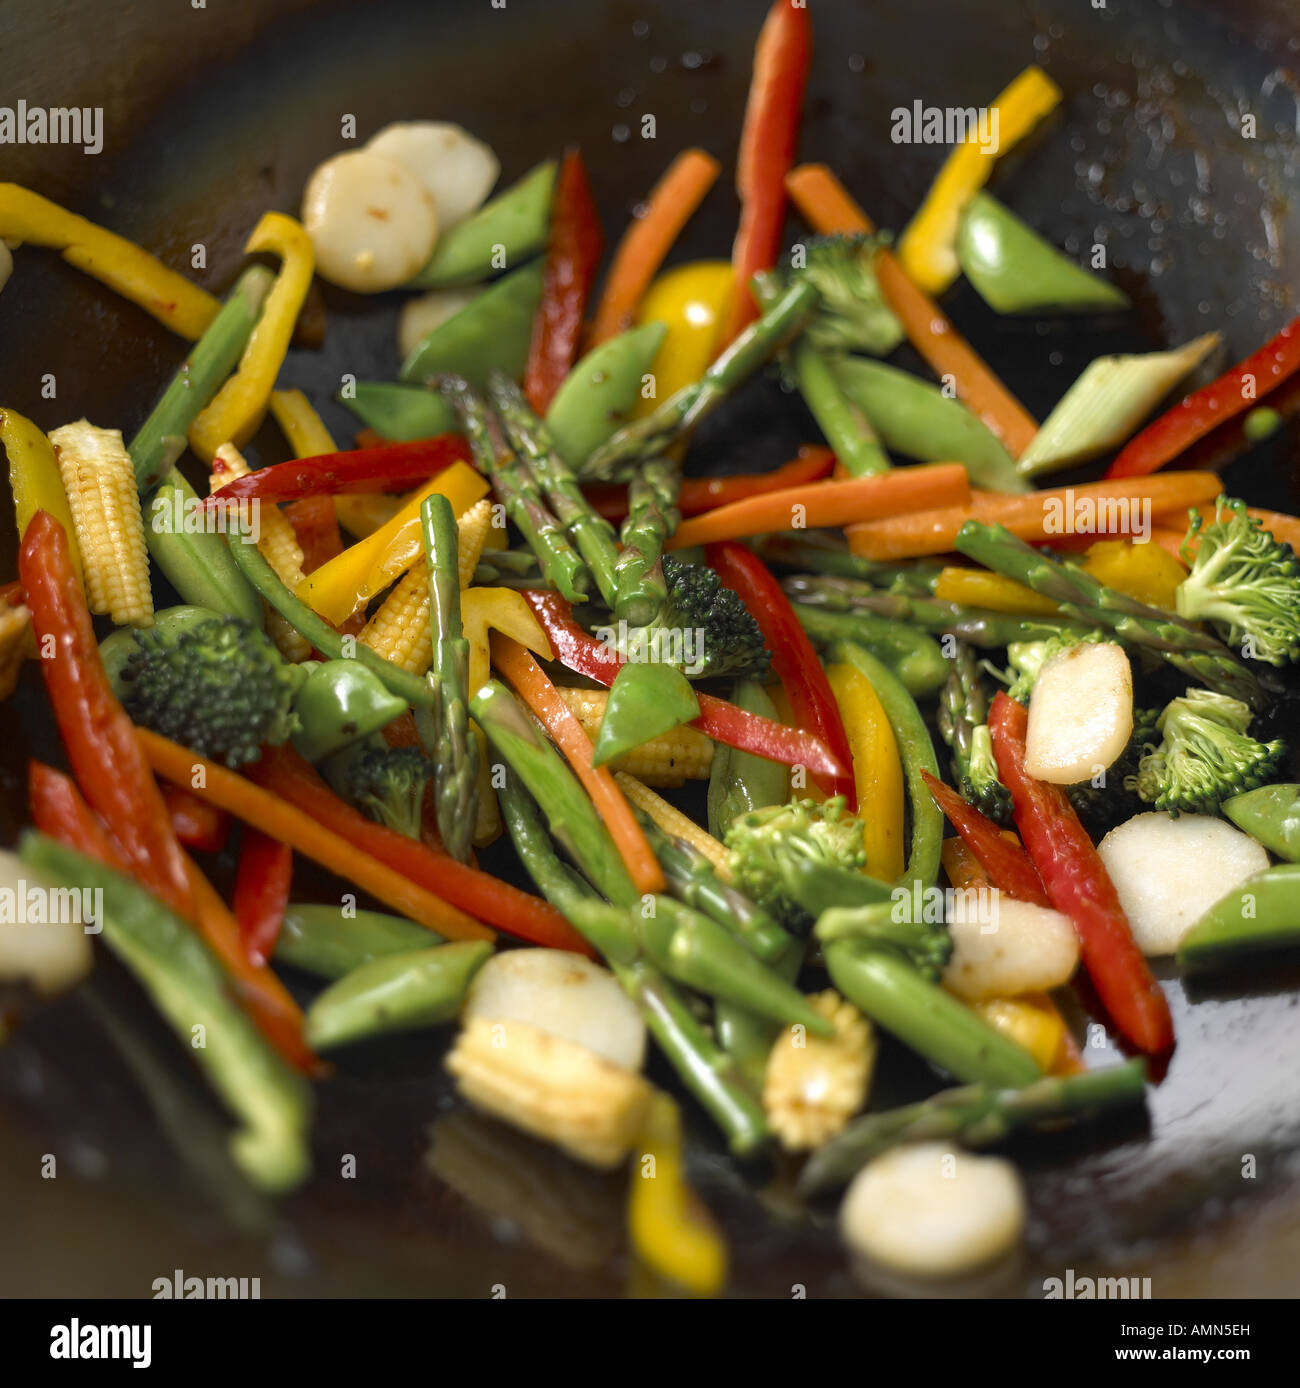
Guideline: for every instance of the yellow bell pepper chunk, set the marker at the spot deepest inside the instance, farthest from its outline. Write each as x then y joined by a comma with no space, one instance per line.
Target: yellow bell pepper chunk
359,515
237,410
928,246
671,1231
1147,572
692,301
877,770
1031,1021
979,588
34,479
112,259
485,610
349,580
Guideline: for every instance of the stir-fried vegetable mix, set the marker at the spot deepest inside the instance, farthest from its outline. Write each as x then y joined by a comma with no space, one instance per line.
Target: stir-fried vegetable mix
510,614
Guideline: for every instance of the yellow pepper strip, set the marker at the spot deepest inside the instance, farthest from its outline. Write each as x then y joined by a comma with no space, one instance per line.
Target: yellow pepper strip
928,246
979,588
485,610
1147,572
112,259
670,1230
236,412
692,301
1031,1021
349,580
877,770
34,479
359,515
16,644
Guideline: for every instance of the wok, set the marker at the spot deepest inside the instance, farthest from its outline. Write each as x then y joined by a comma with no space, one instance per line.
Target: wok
212,115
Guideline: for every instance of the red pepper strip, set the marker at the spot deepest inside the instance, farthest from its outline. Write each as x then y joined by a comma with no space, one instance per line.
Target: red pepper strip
315,522
572,259
723,722
699,494
1197,414
393,467
196,823
793,658
261,891
285,773
59,810
768,141
1079,887
99,737
1008,866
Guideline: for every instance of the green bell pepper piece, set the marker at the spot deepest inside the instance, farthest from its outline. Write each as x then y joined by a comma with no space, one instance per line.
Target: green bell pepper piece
401,413
1259,915
396,992
1271,816
1015,270
321,940
340,702
596,398
189,988
918,420
510,228
494,330
740,782
646,699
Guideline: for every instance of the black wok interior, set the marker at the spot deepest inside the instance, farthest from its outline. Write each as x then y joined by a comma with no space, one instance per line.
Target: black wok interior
214,114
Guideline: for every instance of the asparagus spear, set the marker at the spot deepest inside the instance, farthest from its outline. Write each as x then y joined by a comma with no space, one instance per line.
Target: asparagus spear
518,490
823,552
975,1115
590,532
962,721
653,435
445,727
1176,641
652,516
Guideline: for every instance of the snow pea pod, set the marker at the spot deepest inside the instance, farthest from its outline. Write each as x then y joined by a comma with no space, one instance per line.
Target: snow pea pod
598,396
1015,270
321,940
494,330
503,233
396,992
400,413
740,782
1260,915
1271,816
645,700
913,655
917,419
340,702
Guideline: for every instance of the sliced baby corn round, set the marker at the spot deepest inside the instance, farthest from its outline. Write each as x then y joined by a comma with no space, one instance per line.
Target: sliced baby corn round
99,478
552,1088
815,1084
669,760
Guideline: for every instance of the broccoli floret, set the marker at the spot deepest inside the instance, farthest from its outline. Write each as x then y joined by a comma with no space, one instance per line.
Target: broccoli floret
771,849
385,783
1205,755
1027,658
217,685
980,784
853,315
703,628
1245,583
1101,807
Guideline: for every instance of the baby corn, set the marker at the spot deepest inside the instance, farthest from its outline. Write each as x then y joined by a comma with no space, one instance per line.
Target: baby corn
673,822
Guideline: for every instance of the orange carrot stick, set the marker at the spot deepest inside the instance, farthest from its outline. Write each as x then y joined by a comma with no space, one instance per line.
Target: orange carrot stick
531,684
825,202
835,503
291,825
1040,517
649,239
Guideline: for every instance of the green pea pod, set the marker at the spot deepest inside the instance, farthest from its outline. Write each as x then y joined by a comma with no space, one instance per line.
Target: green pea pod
322,940
748,1037
646,699
190,989
340,702
918,420
1259,916
1015,271
913,655
740,782
400,413
503,233
397,992
492,332
596,398
1271,816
